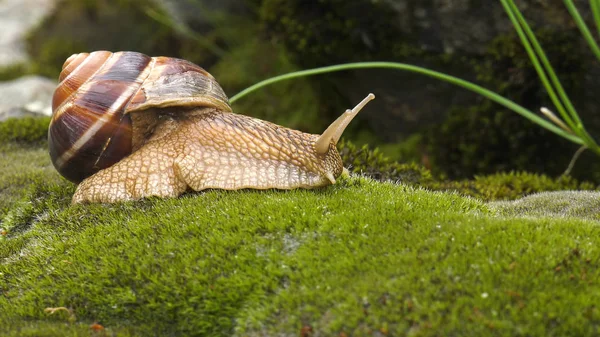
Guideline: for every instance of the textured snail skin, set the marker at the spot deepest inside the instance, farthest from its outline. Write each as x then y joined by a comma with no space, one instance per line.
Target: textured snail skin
207,148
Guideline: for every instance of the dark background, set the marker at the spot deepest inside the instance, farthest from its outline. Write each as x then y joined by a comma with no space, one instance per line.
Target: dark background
452,131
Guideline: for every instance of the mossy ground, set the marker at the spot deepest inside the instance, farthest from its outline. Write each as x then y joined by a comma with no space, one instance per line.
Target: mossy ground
361,258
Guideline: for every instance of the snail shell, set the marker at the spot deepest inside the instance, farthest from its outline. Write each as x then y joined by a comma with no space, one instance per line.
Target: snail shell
91,126
129,126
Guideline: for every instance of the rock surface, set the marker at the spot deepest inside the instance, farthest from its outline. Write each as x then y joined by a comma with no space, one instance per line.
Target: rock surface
17,17
28,95
583,204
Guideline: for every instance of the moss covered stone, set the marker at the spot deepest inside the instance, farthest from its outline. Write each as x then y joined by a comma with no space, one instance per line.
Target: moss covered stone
509,185
361,257
584,204
22,167
354,258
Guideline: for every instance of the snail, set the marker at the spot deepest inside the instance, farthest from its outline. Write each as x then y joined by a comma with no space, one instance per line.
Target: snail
126,126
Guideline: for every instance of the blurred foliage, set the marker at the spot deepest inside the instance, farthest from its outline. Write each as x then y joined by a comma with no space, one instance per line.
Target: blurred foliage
336,31
26,130
290,103
486,138
270,37
100,25
14,71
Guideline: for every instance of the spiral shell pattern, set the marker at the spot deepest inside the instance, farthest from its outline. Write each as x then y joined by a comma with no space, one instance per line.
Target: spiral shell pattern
91,128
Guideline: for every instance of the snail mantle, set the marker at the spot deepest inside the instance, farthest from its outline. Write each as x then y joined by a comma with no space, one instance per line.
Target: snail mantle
127,126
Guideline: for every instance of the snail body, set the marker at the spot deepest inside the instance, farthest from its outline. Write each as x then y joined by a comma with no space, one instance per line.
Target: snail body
127,126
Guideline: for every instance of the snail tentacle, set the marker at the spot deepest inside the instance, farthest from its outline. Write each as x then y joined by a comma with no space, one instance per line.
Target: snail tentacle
333,133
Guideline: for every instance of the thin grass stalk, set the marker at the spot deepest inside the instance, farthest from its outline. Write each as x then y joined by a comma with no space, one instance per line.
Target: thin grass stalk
595,6
578,127
575,123
521,28
574,159
583,28
431,73
591,143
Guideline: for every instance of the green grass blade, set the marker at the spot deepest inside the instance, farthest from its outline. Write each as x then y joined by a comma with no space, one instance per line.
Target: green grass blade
578,128
431,73
595,6
532,46
583,27
569,114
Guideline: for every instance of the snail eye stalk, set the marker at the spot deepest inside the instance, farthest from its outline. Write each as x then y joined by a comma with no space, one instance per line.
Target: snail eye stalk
335,130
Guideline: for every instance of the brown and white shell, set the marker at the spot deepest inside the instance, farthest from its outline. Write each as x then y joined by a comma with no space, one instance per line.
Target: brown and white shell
91,127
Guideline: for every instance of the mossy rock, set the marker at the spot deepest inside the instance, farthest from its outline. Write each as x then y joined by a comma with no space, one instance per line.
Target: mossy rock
499,186
583,204
510,185
358,258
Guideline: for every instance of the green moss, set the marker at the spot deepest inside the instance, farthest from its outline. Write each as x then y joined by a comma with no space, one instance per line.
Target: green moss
354,258
374,164
22,167
25,130
58,328
500,186
25,160
511,185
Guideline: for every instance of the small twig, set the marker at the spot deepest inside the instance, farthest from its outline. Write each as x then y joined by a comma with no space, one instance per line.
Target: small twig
573,160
